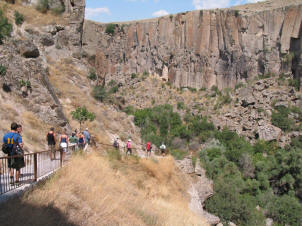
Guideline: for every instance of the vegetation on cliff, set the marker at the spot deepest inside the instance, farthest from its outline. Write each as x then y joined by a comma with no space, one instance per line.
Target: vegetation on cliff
249,180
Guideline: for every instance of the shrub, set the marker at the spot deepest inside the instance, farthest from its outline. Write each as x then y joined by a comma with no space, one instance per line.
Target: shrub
281,120
92,75
294,83
19,18
42,6
133,76
112,83
5,27
2,70
99,93
24,83
239,85
113,89
58,10
286,210
110,29
81,114
180,105
129,110
178,154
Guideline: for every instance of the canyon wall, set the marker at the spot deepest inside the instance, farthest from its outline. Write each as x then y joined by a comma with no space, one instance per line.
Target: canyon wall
202,48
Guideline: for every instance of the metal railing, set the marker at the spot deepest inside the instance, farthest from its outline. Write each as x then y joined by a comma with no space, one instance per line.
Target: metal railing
36,165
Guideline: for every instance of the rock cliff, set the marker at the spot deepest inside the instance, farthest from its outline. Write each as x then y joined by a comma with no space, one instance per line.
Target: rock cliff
202,48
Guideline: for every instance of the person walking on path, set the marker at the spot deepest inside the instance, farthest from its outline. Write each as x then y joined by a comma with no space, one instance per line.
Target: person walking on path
87,138
163,149
13,142
51,138
116,145
81,141
129,149
148,148
63,141
73,141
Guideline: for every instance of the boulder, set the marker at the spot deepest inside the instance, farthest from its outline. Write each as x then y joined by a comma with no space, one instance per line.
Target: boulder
194,145
269,222
47,40
28,49
269,132
178,143
246,97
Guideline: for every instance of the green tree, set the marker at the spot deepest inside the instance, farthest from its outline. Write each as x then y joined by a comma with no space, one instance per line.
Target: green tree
81,114
5,27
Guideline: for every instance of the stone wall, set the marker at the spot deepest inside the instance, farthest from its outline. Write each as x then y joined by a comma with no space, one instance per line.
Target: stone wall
202,48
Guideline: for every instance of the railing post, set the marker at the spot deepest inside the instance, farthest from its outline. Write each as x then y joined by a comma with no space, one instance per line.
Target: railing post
35,166
61,157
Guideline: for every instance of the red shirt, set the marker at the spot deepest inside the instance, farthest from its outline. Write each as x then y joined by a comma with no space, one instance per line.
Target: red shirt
148,145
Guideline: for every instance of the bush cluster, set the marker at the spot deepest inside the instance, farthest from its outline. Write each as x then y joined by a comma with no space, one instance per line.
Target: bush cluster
246,176
2,70
280,118
42,6
110,29
5,27
19,18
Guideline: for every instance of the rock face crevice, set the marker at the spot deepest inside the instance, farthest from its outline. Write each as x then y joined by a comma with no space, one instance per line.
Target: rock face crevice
201,48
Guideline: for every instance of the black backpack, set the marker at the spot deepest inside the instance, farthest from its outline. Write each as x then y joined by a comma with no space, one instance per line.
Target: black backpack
6,147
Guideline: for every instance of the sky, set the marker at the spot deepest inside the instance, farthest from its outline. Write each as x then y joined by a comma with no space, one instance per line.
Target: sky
127,10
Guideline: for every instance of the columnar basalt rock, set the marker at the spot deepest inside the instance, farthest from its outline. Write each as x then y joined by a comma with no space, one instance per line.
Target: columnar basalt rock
202,48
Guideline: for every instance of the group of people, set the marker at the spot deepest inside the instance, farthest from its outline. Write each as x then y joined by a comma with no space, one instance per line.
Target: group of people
116,145
13,146
77,140
148,147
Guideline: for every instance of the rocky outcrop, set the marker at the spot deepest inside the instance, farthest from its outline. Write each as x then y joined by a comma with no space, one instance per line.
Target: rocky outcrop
200,190
202,48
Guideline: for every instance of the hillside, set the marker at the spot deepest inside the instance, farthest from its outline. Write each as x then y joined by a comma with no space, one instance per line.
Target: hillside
93,190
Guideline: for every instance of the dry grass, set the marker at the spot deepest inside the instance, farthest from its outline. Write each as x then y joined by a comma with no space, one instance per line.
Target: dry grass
90,192
32,16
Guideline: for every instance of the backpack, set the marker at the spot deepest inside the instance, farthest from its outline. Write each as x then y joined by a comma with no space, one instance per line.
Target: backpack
6,148
115,144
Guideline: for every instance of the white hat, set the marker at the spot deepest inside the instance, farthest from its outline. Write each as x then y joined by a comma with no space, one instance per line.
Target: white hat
86,128
129,140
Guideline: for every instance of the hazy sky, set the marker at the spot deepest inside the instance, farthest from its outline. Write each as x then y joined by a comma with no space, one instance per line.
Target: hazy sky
126,10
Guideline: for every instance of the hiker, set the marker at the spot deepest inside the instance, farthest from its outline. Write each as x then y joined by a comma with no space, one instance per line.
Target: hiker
116,144
51,138
63,141
148,148
12,146
73,141
81,141
87,138
129,147
163,149
21,158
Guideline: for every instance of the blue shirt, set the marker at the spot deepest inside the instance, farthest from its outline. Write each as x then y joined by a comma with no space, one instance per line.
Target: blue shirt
11,137
86,135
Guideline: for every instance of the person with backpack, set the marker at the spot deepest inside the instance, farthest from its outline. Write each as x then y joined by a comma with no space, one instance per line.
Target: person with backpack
116,144
12,146
163,149
73,141
63,141
148,148
129,147
51,138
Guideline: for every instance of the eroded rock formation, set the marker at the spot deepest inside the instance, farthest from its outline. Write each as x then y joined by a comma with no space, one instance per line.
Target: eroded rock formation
202,48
